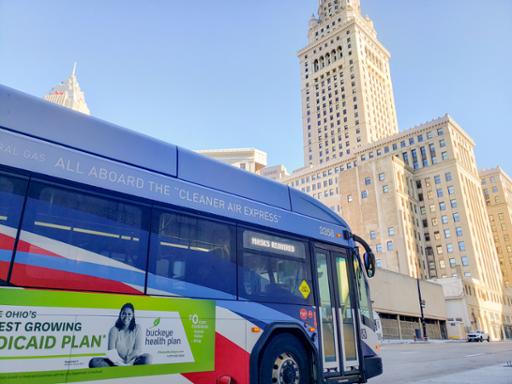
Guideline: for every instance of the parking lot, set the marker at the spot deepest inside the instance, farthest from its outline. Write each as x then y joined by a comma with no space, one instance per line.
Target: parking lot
446,363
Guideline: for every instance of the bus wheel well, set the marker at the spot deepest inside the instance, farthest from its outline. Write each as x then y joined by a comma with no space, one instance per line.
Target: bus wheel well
298,334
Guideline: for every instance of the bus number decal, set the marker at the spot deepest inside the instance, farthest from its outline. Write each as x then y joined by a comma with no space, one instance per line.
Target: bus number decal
329,232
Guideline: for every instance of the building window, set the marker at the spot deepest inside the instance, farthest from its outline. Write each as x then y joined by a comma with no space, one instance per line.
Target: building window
437,179
447,233
349,198
444,155
367,180
378,247
389,245
442,264
373,235
449,248
364,194
458,231
456,217
385,188
462,246
444,219
451,190
453,203
442,206
448,176
379,263
452,262
391,231
464,260
439,249
437,236
442,143
434,221
381,176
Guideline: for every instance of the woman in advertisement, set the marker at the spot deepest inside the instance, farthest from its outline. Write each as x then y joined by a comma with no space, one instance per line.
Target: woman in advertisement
124,342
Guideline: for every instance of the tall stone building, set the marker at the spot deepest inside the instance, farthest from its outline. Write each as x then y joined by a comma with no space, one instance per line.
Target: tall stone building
497,189
415,195
347,96
68,94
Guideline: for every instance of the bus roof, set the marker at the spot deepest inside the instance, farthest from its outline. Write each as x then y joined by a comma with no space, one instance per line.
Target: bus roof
35,117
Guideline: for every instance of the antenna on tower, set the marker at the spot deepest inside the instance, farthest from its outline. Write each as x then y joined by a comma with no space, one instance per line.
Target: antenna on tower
73,73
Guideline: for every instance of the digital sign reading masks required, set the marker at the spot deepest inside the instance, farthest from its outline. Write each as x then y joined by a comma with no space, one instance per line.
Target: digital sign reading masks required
274,244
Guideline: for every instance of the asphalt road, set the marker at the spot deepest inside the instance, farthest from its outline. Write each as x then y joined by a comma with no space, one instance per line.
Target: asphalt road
446,363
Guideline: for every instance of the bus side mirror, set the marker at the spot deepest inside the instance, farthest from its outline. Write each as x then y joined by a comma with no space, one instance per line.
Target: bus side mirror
368,257
369,264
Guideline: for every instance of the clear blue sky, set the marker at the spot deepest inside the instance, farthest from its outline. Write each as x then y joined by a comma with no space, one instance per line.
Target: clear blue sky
216,74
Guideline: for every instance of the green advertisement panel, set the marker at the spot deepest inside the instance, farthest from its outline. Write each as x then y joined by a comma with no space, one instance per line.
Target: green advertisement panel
56,337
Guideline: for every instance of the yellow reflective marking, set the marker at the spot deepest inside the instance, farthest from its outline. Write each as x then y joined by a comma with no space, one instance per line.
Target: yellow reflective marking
97,233
51,225
304,289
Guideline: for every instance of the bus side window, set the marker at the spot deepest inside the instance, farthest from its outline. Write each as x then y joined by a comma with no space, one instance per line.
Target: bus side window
71,239
12,194
191,256
272,269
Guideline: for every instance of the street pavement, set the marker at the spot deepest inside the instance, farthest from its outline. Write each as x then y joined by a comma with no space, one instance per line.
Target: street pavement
446,363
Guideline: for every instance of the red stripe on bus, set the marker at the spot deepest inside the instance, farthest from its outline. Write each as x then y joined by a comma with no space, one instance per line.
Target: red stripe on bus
4,269
23,246
6,242
32,276
230,360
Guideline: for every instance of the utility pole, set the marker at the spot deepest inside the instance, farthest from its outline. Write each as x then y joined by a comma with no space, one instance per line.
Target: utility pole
422,305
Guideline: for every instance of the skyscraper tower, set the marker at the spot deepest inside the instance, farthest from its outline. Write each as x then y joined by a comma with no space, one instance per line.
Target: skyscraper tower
68,94
347,95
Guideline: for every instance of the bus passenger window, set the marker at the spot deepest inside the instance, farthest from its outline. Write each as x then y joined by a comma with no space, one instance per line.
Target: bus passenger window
273,269
74,240
191,256
12,193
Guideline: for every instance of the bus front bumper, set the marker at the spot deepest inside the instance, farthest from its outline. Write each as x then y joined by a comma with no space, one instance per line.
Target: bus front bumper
372,366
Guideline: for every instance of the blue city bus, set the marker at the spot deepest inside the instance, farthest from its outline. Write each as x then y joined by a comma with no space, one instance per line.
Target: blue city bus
125,259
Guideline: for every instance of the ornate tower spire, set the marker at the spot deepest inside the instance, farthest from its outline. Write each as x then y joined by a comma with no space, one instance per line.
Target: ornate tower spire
328,8
68,94
347,95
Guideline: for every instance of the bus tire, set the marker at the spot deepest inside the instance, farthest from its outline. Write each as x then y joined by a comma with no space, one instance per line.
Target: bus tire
285,361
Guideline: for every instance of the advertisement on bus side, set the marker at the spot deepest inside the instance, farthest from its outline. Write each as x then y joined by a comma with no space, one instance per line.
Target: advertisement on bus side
54,337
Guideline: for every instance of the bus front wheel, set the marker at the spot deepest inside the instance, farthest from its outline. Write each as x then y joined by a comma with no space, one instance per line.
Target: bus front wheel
285,361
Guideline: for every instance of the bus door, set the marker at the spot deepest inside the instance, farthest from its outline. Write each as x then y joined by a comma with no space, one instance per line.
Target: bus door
337,309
